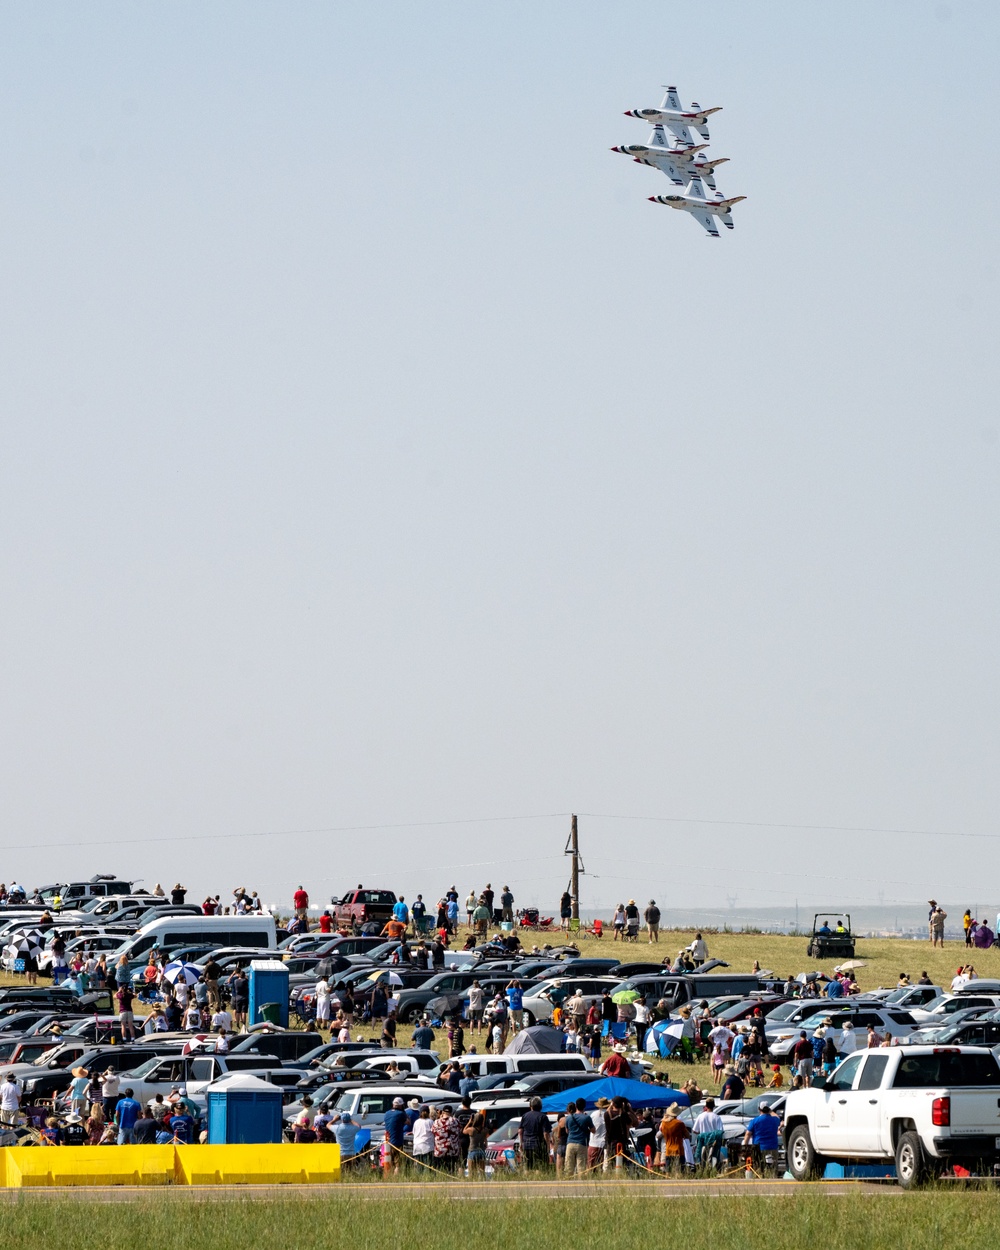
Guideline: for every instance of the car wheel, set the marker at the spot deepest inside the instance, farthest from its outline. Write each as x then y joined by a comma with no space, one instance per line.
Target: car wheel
809,950
803,1161
406,1015
911,1166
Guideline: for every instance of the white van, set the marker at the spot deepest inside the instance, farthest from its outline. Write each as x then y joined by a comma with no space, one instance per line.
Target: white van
499,1065
170,931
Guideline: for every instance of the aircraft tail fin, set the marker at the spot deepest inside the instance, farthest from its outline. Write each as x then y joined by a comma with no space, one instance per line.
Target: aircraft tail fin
658,137
695,188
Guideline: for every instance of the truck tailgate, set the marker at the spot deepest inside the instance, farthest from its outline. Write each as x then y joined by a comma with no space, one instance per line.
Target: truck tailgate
975,1111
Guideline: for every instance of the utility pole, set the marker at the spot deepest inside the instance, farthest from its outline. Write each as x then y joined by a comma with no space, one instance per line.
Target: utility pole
573,849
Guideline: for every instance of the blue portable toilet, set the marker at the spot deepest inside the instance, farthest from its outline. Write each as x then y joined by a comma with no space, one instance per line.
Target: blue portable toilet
268,979
243,1108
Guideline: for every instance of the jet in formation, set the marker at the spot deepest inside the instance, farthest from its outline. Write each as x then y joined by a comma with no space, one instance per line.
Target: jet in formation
702,209
682,160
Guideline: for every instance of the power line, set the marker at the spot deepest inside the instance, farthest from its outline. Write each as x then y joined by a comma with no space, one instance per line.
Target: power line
773,824
278,833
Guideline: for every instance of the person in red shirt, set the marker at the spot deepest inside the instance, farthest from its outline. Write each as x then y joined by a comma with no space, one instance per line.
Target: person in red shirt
326,923
301,901
617,1064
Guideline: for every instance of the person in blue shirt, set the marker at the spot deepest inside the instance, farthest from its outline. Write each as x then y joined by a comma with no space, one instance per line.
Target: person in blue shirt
515,1003
400,911
423,1035
762,1131
345,1131
182,1128
835,989
126,1114
396,1124
579,1127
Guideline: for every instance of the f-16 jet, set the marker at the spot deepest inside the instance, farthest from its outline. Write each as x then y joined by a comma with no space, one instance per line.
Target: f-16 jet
680,163
701,208
676,118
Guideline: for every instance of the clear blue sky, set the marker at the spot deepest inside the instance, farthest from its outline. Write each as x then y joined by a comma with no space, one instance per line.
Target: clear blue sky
375,453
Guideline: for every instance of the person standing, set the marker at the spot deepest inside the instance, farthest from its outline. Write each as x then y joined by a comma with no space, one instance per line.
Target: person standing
598,1138
507,905
652,918
10,1100
579,1129
470,906
323,1003
423,1137
565,910
699,950
618,1121
447,1140
535,1136
802,1053
300,900
476,1007
126,1114
641,1021
515,1004
937,918
126,1018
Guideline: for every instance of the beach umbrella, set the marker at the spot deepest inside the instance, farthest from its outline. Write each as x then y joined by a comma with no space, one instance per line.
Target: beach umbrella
178,970
387,975
624,997
445,1005
851,965
663,1037
27,946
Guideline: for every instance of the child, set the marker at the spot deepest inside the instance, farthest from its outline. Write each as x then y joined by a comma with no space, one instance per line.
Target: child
497,1035
572,1040
777,1080
595,1047
718,1063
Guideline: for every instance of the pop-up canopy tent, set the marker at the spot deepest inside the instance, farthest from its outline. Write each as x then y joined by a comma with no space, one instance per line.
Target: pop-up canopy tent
638,1093
539,1039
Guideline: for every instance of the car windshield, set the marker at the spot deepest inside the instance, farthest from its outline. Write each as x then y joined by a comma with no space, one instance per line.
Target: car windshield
784,1012
508,1132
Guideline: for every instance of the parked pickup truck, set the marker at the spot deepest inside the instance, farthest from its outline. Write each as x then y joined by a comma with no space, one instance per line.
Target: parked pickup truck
360,907
925,1107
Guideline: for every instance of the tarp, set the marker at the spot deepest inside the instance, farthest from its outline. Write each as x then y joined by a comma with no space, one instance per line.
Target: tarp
638,1093
539,1039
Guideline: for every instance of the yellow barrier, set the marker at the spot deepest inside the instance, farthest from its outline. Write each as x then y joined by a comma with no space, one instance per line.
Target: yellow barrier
285,1164
88,1165
308,1163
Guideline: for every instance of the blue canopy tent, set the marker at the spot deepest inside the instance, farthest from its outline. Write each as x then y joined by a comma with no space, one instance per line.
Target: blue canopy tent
638,1093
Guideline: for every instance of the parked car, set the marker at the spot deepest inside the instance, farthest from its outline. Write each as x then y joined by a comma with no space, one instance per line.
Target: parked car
898,1024
540,1002
925,1108
363,907
927,1017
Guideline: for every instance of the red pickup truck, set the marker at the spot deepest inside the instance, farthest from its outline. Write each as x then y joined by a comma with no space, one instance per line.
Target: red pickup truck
360,907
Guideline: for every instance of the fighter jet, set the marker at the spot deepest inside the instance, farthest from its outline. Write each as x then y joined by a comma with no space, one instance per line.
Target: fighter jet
680,163
701,208
676,118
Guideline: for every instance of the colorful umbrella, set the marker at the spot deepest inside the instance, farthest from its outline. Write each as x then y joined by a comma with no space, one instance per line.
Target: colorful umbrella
180,971
391,978
624,997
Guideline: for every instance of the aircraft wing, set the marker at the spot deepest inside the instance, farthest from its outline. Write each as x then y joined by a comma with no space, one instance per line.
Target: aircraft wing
707,220
672,100
666,164
681,131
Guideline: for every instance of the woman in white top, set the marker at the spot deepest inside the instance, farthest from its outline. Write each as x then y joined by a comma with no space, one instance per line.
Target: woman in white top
423,1137
847,1043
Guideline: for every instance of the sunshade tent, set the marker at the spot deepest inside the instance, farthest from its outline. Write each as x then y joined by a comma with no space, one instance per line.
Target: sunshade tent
539,1039
638,1093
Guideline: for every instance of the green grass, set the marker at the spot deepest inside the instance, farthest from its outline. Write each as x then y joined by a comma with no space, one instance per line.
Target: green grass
927,1221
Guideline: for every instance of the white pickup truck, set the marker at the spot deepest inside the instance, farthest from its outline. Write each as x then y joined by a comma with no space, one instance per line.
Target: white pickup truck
925,1107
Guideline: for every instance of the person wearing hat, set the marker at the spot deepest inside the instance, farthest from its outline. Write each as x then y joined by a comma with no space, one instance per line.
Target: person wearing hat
73,1131
631,921
78,1089
673,1134
733,1085
598,1138
396,1124
653,921
616,1063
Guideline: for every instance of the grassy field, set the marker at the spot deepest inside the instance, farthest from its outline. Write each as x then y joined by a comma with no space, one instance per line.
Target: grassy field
924,1221
885,959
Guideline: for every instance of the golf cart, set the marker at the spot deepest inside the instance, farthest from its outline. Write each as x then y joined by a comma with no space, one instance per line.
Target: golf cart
831,936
